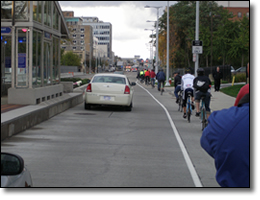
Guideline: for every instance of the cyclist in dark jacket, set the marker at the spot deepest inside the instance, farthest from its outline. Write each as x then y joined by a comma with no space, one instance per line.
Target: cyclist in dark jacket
160,76
226,139
202,85
177,85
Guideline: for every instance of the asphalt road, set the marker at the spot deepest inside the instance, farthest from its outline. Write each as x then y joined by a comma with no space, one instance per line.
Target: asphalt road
108,147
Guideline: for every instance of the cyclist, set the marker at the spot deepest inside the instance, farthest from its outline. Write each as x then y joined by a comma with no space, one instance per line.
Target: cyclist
160,76
202,86
152,75
187,86
142,75
177,85
147,77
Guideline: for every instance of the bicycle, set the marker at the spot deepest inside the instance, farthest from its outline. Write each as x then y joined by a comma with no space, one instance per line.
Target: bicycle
203,114
161,88
189,106
180,93
152,82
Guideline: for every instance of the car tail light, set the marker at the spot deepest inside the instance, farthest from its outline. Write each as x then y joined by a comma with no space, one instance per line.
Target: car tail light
127,90
89,89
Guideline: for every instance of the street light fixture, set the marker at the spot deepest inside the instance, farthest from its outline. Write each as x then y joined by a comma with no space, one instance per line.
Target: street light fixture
152,43
157,7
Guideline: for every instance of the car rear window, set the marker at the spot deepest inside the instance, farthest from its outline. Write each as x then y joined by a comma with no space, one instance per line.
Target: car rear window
109,79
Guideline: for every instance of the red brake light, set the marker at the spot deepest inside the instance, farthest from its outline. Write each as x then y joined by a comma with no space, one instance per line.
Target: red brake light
89,89
127,90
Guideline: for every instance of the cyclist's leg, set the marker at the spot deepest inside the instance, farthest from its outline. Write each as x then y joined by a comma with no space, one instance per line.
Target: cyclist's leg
163,82
184,100
177,89
207,102
197,102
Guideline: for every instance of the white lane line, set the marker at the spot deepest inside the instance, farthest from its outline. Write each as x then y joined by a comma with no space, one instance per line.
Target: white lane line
187,159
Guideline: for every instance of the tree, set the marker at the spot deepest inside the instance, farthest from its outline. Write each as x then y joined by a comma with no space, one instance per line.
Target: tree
224,40
70,59
240,45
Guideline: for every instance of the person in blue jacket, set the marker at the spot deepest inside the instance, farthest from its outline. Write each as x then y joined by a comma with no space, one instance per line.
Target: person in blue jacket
226,139
160,76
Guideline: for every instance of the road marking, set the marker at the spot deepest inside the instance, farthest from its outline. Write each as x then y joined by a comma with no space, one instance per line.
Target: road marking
187,159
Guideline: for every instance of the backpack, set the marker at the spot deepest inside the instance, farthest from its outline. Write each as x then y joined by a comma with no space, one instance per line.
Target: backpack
202,86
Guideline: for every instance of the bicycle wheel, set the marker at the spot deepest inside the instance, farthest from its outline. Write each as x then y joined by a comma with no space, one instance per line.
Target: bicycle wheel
188,108
203,118
180,103
161,88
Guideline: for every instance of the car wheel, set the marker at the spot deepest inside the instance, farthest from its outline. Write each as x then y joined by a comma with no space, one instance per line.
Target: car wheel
87,106
129,108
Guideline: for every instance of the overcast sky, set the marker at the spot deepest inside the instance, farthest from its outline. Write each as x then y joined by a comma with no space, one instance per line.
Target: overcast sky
128,19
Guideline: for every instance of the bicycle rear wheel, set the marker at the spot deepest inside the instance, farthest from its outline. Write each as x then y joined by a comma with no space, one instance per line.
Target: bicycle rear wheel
188,109
161,88
180,104
203,119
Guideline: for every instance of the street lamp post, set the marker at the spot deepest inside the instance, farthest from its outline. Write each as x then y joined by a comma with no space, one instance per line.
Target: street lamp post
157,7
167,72
90,48
152,42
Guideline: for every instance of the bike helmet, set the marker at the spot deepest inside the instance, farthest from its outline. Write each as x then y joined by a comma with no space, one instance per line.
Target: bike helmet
200,71
187,70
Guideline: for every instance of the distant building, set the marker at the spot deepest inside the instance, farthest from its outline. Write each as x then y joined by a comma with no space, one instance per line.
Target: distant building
102,31
239,9
80,41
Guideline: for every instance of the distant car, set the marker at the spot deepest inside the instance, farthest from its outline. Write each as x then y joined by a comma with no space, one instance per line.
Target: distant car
241,69
134,69
109,89
118,72
13,171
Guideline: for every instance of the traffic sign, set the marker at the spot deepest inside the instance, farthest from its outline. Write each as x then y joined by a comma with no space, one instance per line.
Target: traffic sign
5,30
197,43
197,49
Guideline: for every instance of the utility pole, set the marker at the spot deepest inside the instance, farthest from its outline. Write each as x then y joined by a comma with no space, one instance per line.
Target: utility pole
197,36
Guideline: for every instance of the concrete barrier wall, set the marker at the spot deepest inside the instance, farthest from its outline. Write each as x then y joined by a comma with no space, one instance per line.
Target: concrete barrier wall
26,121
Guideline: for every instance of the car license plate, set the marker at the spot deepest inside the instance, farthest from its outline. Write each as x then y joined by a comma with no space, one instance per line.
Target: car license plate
107,98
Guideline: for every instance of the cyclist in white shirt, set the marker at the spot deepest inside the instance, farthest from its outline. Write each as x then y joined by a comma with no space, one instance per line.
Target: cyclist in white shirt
187,86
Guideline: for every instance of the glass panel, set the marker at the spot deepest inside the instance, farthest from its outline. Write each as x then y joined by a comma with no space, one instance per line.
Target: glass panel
21,10
22,58
49,13
36,68
5,62
47,67
6,9
54,18
45,11
37,9
55,73
57,20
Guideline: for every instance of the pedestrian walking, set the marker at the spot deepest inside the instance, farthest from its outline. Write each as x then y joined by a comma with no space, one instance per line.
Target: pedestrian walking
217,75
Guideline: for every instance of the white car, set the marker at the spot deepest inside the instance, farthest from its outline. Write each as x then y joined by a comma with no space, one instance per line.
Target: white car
13,171
109,89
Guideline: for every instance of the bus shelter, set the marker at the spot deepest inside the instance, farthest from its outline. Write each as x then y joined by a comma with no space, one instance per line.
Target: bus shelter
30,50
